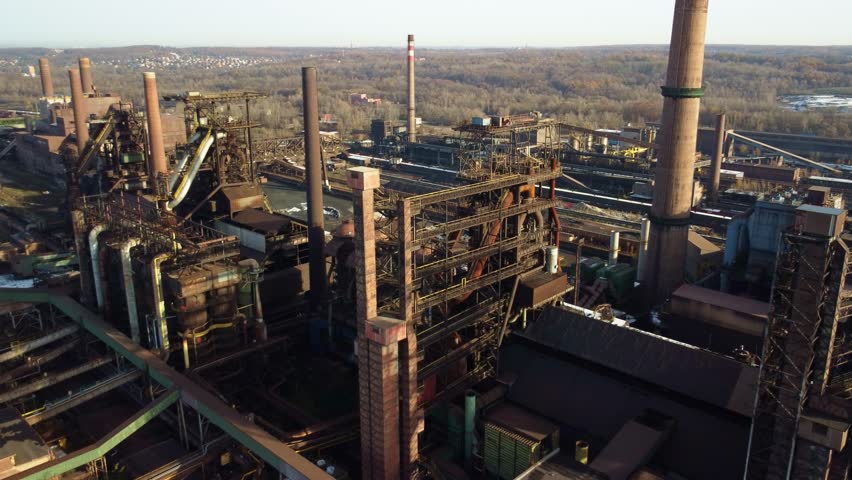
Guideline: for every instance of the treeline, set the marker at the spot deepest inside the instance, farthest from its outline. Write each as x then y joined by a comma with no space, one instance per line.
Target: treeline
593,87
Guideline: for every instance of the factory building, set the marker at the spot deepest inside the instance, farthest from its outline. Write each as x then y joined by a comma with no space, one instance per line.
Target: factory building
489,304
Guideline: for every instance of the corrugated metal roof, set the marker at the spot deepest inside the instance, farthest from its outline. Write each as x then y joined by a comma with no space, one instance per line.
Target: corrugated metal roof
521,421
723,300
699,374
562,467
707,444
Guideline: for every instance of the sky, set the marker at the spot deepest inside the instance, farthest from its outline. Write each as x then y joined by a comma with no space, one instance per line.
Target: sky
435,23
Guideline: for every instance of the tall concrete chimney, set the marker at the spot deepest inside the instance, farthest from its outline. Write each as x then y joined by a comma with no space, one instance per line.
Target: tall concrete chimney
313,172
86,74
46,80
670,210
412,123
81,129
717,156
157,158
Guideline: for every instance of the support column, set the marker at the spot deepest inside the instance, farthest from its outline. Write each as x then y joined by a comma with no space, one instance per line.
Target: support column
673,180
412,416
377,344
87,285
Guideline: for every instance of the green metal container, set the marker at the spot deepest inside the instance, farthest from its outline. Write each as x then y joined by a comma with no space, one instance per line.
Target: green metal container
589,268
621,278
132,157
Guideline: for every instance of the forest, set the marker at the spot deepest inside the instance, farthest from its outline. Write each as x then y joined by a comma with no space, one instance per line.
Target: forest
598,87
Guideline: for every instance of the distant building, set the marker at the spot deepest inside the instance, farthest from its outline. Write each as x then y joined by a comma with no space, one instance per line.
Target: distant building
363,99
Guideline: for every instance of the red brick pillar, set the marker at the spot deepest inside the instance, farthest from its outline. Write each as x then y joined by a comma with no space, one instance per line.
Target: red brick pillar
377,343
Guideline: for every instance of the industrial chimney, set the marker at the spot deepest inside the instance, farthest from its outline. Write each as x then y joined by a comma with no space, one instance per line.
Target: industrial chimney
81,129
313,172
412,123
673,189
46,80
718,154
157,158
86,75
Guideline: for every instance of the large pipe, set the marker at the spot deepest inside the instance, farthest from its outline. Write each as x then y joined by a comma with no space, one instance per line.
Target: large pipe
718,153
46,80
469,423
186,183
670,210
313,172
86,75
642,254
614,237
157,158
129,288
81,129
412,122
96,263
159,303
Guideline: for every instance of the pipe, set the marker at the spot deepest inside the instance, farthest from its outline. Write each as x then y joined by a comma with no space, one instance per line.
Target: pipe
53,378
260,328
469,422
552,260
96,263
81,129
157,159
642,254
86,75
412,121
129,288
613,247
183,188
717,157
159,303
175,176
673,178
24,347
46,80
313,173
581,452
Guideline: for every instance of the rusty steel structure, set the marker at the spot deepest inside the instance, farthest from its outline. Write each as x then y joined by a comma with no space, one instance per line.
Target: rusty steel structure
412,120
673,187
806,355
86,75
441,277
46,79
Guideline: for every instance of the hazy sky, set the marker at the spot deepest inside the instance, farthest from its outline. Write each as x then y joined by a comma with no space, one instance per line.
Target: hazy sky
436,23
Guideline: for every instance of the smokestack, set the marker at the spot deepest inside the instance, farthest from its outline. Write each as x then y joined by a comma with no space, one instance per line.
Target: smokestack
313,172
86,74
717,156
81,130
46,80
157,159
412,123
673,180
